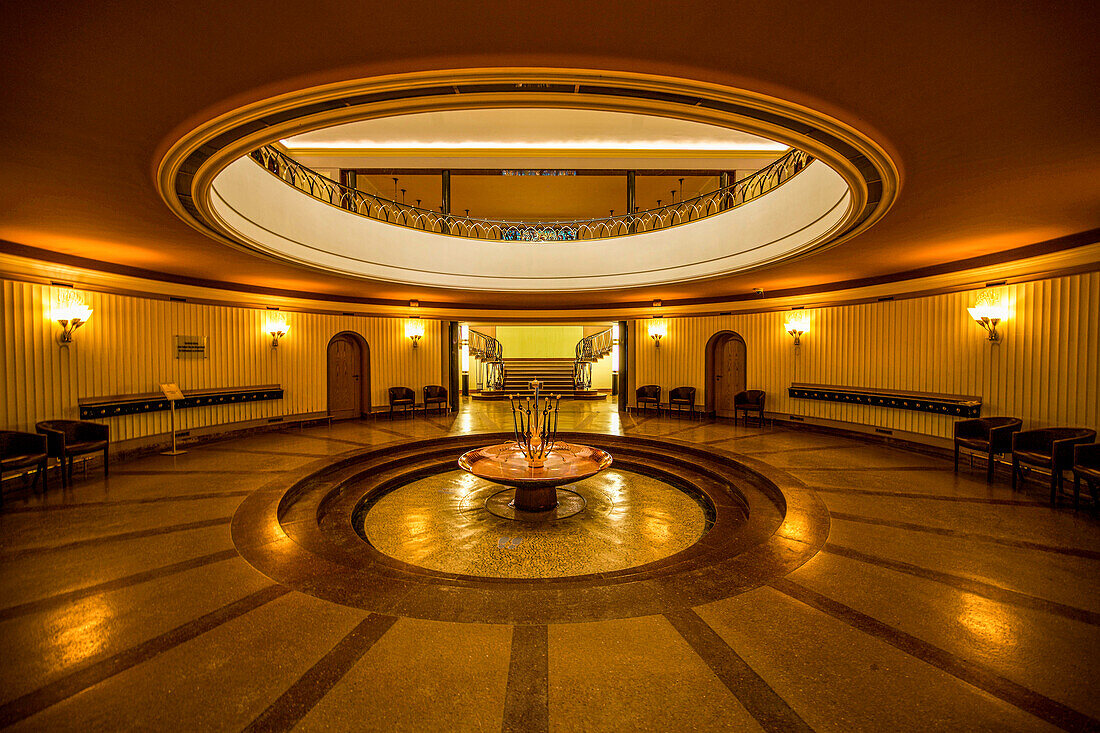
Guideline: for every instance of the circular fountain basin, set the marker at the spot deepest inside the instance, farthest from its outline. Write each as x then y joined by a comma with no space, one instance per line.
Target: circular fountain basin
535,485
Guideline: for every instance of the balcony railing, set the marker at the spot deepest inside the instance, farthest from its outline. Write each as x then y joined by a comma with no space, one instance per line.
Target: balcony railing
393,212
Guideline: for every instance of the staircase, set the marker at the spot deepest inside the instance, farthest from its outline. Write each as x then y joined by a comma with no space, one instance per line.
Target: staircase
555,375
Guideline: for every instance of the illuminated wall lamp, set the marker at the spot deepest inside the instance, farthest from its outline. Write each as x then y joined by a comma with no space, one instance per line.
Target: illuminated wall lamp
277,329
988,316
658,329
414,329
796,326
71,316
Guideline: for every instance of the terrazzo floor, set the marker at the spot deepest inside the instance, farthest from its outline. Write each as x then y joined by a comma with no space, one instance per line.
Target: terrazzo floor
938,603
441,523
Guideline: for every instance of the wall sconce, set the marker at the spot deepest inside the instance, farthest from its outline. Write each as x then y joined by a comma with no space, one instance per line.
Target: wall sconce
277,328
71,313
796,325
987,316
414,329
658,329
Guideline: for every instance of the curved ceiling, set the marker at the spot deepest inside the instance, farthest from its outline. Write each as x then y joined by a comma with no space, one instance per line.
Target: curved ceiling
988,109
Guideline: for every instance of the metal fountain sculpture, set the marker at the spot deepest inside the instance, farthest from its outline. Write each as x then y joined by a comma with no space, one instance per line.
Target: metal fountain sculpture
535,464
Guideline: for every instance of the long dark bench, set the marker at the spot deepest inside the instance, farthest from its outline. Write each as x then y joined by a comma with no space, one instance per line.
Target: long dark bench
96,408
943,404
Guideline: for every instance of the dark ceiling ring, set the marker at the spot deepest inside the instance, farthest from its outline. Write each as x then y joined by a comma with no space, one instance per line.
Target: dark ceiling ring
298,530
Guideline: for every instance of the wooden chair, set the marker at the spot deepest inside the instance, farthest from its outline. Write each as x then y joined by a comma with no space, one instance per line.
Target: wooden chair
1086,467
649,394
1050,448
751,400
402,397
21,450
682,398
989,435
66,439
434,394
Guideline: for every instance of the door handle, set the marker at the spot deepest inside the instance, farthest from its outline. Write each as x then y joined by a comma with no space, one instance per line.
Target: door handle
355,376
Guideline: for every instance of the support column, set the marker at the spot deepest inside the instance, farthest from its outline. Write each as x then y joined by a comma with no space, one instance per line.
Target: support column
723,183
347,178
626,362
630,175
446,192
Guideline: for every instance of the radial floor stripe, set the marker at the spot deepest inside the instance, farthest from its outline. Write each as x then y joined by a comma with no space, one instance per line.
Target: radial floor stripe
732,438
526,699
329,440
962,535
258,451
120,537
126,502
762,702
303,695
916,495
977,587
75,682
972,673
62,599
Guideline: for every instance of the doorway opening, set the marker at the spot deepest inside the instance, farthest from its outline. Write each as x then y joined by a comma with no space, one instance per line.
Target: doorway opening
726,367
348,376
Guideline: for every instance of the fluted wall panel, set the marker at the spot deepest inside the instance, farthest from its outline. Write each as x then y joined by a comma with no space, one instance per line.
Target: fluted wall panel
128,347
1046,370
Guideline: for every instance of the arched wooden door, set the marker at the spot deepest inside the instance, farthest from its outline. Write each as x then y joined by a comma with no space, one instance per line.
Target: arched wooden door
348,380
726,369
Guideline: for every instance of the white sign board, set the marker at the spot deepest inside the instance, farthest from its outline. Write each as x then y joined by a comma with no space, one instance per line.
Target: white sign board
171,391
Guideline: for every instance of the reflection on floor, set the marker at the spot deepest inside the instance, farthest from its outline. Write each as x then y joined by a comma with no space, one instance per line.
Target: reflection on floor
939,602
441,523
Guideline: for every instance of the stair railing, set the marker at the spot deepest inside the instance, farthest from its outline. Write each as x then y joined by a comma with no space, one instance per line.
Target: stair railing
491,354
590,349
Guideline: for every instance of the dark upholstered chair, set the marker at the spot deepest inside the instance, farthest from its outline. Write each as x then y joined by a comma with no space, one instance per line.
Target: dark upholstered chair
22,450
66,439
1050,448
403,398
649,394
751,400
681,398
989,435
436,395
1086,467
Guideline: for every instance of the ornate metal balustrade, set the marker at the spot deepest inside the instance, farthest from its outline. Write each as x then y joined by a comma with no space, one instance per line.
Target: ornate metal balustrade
490,353
590,349
376,207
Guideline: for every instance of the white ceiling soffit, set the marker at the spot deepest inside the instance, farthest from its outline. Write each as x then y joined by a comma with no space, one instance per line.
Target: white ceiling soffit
533,132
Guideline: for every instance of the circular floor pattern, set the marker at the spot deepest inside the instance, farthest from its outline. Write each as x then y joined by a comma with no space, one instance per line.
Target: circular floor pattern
300,530
440,523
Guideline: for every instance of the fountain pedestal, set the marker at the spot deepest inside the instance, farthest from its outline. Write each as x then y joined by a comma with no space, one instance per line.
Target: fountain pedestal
535,486
536,463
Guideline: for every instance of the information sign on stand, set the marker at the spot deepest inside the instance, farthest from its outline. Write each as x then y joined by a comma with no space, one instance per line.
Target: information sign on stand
172,393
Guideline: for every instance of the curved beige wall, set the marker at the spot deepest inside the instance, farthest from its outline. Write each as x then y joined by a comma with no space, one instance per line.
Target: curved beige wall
1046,370
127,347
